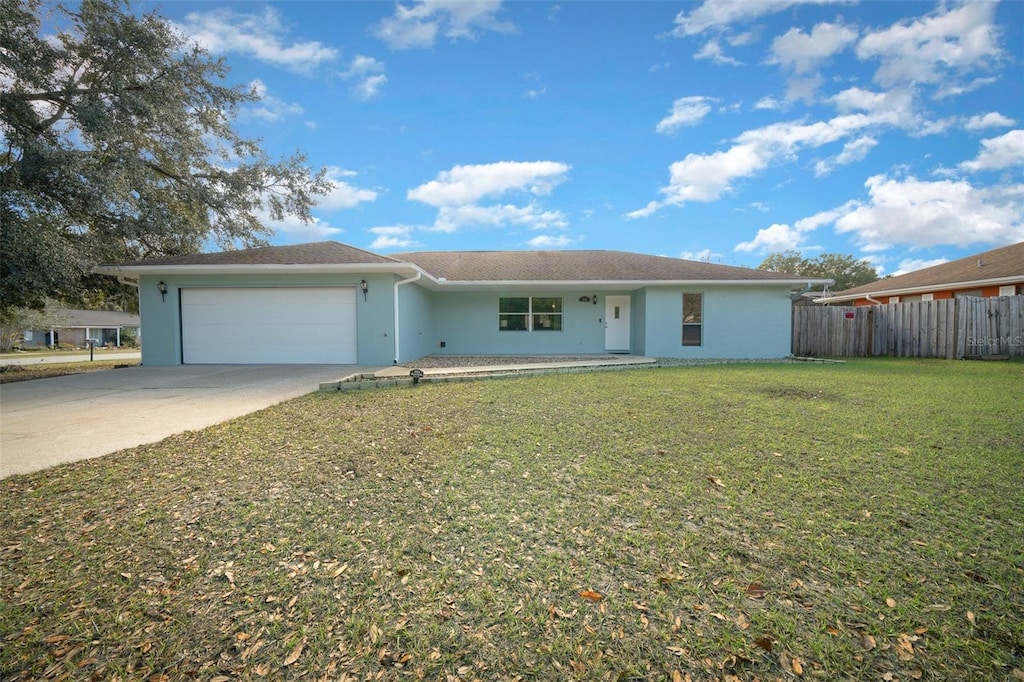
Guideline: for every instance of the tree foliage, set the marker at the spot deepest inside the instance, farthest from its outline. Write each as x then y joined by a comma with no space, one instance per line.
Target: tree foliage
117,143
847,271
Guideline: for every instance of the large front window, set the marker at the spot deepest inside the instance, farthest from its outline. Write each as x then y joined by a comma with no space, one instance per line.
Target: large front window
693,319
526,313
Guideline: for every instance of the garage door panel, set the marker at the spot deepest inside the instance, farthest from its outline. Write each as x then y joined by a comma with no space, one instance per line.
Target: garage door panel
269,325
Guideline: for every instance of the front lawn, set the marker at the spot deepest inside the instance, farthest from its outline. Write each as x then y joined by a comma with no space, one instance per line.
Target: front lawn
861,521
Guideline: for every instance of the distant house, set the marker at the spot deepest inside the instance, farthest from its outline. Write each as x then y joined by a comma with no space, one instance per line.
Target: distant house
76,327
999,272
329,303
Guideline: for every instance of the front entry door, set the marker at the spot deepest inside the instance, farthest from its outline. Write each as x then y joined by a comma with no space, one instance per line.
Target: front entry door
616,324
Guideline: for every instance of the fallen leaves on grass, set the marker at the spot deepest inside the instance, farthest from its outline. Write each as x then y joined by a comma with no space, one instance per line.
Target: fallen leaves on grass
591,595
791,664
295,654
756,591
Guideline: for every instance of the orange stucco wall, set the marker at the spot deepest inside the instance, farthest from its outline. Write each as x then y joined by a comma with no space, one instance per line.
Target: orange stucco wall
986,292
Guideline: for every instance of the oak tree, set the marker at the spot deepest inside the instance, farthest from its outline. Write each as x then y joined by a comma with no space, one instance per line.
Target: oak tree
117,142
847,271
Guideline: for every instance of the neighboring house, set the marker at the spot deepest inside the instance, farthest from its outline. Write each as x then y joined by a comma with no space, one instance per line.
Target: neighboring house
335,304
999,272
76,327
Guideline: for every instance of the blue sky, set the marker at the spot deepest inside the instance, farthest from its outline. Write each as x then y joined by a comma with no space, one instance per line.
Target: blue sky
721,130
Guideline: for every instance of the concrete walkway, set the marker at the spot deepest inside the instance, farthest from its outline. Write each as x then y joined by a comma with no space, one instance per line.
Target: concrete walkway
46,422
402,371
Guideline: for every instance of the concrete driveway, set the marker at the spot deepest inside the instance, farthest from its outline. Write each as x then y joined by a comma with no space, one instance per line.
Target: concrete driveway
64,419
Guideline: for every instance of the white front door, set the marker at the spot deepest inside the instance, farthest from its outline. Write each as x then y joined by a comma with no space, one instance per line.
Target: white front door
616,324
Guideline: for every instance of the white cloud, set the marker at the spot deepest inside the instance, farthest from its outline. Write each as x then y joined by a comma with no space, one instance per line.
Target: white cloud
342,194
362,65
260,36
534,93
772,239
393,237
270,108
370,87
547,241
706,177
922,213
803,52
803,89
686,111
713,51
650,209
419,24
936,48
456,194
781,237
704,255
999,152
911,264
452,218
369,76
295,231
769,103
741,39
468,184
992,119
719,13
855,150
954,89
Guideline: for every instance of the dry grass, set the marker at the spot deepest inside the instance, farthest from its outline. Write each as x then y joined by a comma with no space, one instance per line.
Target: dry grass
858,521
12,373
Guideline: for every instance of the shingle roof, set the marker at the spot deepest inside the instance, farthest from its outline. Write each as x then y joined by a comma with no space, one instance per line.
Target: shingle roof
1006,261
94,318
482,266
316,253
567,266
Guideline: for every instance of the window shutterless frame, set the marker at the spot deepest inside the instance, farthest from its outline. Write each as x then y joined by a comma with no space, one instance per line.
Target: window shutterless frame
693,319
528,313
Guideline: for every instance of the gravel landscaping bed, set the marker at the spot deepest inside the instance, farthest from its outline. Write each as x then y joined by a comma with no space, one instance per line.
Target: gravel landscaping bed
446,361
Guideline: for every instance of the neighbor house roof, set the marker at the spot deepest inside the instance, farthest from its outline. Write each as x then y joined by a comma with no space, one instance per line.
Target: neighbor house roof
439,269
100,319
575,266
1003,265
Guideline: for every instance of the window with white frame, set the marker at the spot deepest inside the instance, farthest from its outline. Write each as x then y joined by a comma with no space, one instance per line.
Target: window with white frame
530,314
1009,290
693,319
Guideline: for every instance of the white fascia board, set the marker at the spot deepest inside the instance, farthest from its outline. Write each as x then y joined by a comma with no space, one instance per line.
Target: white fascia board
903,291
619,283
255,269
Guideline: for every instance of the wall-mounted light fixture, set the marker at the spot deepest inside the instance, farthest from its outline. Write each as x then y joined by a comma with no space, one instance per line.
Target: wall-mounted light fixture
364,287
595,299
162,288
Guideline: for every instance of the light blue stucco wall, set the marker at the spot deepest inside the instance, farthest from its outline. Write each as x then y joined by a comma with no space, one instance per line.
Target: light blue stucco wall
161,321
468,324
416,321
739,322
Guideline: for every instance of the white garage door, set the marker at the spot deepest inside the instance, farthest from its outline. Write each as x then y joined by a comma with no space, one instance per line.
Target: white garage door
268,326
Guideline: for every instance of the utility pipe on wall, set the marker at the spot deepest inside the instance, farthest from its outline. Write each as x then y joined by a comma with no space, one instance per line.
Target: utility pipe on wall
398,284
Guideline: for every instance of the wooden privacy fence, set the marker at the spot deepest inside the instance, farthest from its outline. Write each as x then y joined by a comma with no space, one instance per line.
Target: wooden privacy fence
949,328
